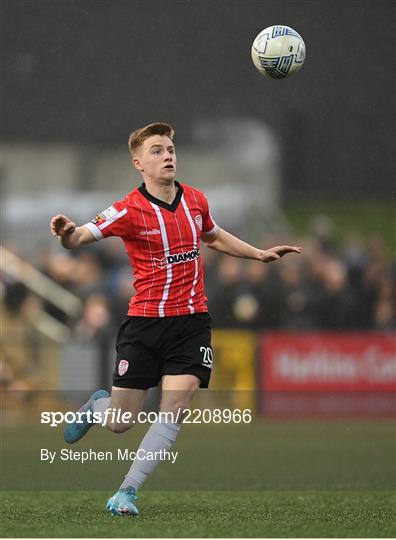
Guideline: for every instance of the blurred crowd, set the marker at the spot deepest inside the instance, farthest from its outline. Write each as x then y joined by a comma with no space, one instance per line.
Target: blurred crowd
350,286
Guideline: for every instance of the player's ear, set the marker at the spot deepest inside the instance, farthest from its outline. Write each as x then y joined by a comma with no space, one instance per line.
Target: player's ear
136,163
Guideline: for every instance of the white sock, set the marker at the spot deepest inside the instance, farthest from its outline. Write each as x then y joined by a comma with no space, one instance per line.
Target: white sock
160,436
100,405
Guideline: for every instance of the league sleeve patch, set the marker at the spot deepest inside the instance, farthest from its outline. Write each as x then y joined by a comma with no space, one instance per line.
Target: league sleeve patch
105,215
108,213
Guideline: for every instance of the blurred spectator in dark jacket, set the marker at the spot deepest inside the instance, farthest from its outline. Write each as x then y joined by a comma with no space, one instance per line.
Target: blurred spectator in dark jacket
261,299
295,300
335,306
223,299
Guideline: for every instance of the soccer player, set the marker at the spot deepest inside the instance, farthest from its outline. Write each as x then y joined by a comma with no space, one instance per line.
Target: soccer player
166,336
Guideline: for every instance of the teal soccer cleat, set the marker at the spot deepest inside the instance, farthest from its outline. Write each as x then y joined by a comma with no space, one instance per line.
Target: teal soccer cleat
73,432
123,503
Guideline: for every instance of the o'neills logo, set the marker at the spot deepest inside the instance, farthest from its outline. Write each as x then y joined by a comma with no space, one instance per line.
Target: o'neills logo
177,258
149,233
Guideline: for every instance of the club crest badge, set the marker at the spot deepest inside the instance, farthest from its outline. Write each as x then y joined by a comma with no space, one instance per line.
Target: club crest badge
123,367
198,221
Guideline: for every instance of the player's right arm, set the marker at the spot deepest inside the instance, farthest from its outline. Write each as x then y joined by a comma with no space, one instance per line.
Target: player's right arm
70,236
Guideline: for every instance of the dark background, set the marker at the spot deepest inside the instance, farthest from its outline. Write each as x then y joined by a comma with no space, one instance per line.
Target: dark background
91,71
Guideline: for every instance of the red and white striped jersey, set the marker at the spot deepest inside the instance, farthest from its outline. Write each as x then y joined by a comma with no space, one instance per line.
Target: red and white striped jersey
163,244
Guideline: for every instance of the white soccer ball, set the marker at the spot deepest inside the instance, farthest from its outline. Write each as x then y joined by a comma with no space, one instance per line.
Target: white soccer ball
278,52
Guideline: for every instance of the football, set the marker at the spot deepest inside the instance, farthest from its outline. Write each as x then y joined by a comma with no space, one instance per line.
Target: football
278,52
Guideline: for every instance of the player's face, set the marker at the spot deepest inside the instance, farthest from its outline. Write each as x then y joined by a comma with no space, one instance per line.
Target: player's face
156,158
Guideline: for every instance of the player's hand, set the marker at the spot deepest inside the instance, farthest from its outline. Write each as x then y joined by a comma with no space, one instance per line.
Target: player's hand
62,225
277,252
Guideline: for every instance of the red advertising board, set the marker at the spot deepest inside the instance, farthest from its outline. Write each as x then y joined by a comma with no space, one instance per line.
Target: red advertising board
328,373
328,361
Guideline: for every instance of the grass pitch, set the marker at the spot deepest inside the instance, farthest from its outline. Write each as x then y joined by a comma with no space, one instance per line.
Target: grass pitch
265,479
202,514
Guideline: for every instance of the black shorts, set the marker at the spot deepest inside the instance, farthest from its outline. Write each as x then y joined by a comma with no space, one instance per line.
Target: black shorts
150,347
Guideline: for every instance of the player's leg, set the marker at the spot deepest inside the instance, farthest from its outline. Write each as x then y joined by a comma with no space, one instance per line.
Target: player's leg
128,400
187,366
177,393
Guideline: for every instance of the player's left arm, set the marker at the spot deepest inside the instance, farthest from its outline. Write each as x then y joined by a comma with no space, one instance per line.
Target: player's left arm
227,243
